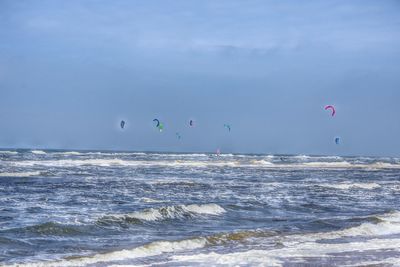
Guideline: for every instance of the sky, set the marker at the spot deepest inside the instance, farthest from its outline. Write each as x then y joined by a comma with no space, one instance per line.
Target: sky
71,70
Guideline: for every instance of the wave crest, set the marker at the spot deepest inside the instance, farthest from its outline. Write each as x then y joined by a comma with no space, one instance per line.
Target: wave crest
20,174
347,186
165,213
38,152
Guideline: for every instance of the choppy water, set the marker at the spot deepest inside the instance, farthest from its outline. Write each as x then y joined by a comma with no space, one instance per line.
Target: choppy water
62,208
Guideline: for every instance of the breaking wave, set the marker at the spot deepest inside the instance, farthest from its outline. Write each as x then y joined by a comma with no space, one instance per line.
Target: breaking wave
341,164
38,152
165,213
347,186
387,224
73,153
203,163
20,174
282,246
9,152
312,246
147,250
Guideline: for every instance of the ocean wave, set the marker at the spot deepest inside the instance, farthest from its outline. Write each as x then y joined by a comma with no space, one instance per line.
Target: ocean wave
340,164
239,236
192,155
50,229
180,163
302,157
305,253
306,157
38,152
165,213
73,163
384,165
388,224
115,153
347,186
150,200
73,153
120,162
179,183
344,165
8,152
262,162
225,155
329,157
20,174
382,236
147,250
153,249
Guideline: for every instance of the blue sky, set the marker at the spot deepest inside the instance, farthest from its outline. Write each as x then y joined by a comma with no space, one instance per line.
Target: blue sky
70,70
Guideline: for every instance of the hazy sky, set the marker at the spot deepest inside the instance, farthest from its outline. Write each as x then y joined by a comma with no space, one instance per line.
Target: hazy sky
70,70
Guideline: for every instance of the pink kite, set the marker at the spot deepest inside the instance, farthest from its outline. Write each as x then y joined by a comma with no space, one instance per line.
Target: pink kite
331,108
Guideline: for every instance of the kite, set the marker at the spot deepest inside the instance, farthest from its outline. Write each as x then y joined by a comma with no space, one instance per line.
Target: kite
337,140
157,121
332,108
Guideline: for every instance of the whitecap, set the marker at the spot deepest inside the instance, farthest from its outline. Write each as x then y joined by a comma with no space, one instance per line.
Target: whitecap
38,152
19,174
347,186
9,152
302,157
74,153
172,212
341,164
147,250
150,200
382,236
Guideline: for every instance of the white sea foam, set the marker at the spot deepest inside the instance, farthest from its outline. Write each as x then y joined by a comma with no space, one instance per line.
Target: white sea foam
74,153
329,157
384,165
173,212
263,163
302,157
116,162
390,224
297,253
209,209
19,174
9,152
38,152
225,155
183,155
150,200
347,186
291,248
340,164
298,248
151,249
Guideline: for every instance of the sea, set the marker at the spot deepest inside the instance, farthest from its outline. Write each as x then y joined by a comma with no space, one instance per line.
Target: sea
110,208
